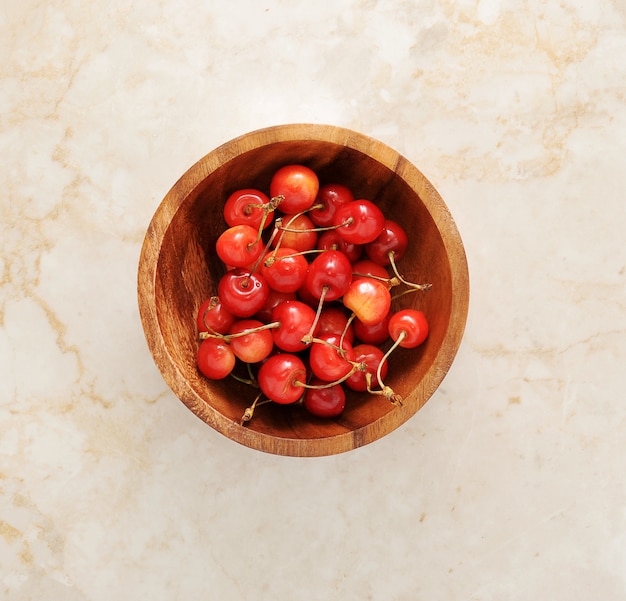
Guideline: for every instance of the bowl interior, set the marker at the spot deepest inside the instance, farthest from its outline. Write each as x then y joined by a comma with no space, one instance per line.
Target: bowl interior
187,270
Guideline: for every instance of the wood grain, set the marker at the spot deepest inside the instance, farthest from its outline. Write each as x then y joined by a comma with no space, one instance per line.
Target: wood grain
178,270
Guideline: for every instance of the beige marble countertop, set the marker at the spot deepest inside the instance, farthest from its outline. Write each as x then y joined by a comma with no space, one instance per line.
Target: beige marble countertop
510,484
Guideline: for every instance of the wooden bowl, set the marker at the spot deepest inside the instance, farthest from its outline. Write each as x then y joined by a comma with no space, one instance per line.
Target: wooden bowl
178,270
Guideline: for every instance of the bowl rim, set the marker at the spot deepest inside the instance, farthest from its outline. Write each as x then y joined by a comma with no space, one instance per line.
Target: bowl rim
193,177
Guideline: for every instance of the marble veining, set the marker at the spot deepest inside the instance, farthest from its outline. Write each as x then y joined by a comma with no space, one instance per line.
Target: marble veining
509,484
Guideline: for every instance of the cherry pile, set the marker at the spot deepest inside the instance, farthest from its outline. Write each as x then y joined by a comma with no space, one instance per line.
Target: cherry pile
305,303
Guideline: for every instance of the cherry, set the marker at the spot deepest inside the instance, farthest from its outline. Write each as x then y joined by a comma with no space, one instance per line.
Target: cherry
377,333
238,246
408,328
284,269
295,231
247,207
393,238
329,198
369,299
324,401
367,267
214,317
306,297
274,298
295,320
371,356
333,240
242,292
329,276
282,377
298,185
359,221
329,361
333,320
249,341
215,358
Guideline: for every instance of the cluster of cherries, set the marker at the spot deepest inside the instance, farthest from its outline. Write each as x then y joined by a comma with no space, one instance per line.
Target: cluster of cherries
306,299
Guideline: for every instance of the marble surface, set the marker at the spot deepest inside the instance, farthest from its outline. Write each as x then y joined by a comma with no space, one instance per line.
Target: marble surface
509,484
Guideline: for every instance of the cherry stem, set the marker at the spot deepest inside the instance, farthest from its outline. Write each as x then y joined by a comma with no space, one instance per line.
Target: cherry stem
362,366
268,207
345,330
262,255
308,338
392,261
386,390
271,258
317,229
249,412
227,337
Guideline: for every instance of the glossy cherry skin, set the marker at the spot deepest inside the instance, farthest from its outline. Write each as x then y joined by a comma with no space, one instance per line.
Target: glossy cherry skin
254,346
333,320
295,319
367,267
331,270
372,356
277,377
377,333
237,246
331,196
298,184
332,240
324,402
361,221
393,238
243,293
243,207
303,238
274,298
215,358
214,317
284,270
325,361
411,324
369,299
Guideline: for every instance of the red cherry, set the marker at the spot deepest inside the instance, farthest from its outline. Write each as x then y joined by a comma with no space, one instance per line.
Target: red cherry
369,299
372,356
251,347
214,317
393,238
238,246
295,319
244,207
333,320
408,327
274,298
367,267
284,269
298,184
331,271
333,240
298,232
278,378
215,358
324,402
331,197
243,293
361,221
325,360
377,333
